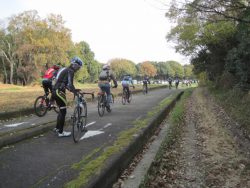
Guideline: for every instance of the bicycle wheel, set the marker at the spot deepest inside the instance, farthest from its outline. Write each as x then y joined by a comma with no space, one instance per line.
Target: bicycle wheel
124,97
101,105
79,121
112,98
144,90
40,106
130,98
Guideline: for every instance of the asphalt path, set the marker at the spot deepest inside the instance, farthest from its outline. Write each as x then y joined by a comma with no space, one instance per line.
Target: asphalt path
46,160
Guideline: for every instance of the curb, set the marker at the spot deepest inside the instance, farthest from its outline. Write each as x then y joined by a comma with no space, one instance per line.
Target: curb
18,113
114,168
14,137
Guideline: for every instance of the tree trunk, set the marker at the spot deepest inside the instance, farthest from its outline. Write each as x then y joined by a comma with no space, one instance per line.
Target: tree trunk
4,71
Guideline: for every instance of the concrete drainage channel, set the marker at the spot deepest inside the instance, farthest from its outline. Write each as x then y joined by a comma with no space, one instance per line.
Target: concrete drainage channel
109,175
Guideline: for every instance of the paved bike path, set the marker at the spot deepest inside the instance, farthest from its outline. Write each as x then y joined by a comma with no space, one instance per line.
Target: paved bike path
46,160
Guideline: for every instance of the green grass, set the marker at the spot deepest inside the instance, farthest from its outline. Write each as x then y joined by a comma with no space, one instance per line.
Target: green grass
16,98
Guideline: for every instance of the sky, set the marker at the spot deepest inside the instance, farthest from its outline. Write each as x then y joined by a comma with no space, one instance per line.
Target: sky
131,29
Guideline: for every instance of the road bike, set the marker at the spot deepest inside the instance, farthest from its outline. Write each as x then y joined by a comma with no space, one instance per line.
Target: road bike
43,104
170,85
126,96
144,88
79,116
103,103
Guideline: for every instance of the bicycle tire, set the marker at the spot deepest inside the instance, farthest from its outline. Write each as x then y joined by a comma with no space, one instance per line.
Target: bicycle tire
79,122
112,98
144,90
101,105
130,97
124,97
40,106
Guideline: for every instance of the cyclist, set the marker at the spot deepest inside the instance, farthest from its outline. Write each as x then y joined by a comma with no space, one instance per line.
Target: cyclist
177,83
126,82
47,79
146,82
105,77
170,82
64,80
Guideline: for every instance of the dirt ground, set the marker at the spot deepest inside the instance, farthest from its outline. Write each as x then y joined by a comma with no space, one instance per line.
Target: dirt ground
209,153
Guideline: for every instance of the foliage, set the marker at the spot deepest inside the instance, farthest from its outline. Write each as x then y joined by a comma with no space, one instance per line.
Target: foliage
29,45
122,67
214,33
146,68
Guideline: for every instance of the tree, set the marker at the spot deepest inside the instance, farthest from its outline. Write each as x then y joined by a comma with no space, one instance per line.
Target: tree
146,68
31,43
122,66
207,31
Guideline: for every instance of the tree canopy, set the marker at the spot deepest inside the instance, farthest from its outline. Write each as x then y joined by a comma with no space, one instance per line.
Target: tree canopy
215,34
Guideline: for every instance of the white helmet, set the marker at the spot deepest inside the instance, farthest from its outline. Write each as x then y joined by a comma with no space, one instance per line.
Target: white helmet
106,67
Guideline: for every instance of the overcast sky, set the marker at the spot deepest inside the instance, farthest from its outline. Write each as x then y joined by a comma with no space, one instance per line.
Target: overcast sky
130,29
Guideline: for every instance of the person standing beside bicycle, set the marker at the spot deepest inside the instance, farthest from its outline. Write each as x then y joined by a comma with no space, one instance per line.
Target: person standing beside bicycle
64,80
126,83
105,77
47,79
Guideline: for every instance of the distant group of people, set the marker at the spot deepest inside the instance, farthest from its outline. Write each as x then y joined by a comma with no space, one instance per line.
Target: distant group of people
59,79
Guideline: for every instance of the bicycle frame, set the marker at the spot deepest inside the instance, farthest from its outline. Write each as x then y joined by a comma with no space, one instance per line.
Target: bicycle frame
79,117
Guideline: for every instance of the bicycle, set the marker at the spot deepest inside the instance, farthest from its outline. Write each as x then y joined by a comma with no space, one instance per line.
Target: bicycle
102,102
125,95
170,85
42,105
79,116
144,88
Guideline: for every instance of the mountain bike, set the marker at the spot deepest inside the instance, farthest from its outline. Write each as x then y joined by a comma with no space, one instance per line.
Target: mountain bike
43,104
125,94
79,116
103,102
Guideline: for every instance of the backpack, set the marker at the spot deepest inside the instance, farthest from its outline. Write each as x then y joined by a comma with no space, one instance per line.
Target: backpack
104,75
49,73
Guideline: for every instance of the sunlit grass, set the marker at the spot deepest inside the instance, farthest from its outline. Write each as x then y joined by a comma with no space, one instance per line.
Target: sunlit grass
15,98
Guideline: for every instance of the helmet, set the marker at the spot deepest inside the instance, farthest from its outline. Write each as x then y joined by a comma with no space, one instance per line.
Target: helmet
56,67
76,60
126,77
106,67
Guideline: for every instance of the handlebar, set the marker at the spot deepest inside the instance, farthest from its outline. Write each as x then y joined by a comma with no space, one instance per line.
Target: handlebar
86,93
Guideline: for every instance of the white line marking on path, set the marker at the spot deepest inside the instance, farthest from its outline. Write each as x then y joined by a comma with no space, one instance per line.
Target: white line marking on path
107,125
14,125
94,132
91,133
91,123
